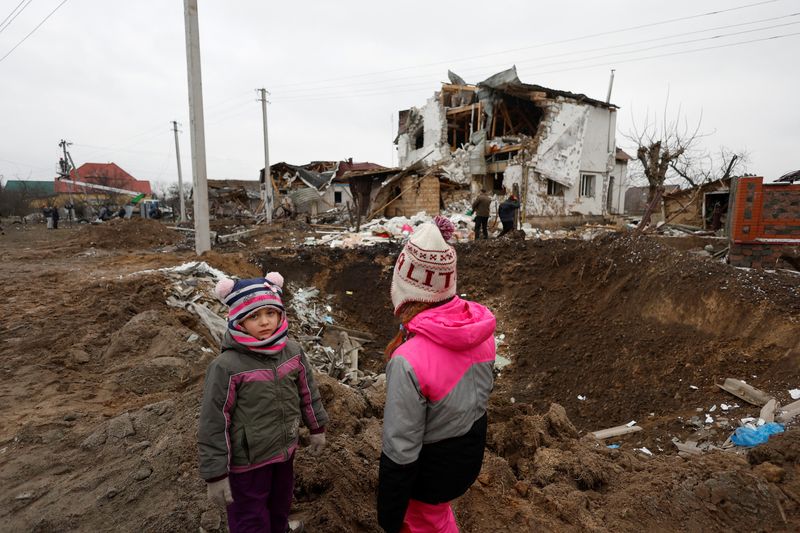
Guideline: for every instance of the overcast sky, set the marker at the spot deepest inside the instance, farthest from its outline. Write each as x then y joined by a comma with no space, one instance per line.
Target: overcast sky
110,75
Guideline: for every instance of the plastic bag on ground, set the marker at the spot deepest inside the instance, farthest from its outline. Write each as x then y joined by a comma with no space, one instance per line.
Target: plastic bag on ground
749,437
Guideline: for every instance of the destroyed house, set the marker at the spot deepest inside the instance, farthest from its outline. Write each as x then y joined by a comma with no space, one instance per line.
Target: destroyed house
556,150
317,186
232,198
695,206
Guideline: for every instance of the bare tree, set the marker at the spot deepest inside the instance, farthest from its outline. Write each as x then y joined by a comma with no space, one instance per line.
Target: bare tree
709,167
662,146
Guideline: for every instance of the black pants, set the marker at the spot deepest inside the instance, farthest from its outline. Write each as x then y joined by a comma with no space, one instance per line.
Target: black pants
508,225
481,227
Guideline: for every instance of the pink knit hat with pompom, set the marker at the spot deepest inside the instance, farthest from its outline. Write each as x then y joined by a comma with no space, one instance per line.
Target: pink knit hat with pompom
244,296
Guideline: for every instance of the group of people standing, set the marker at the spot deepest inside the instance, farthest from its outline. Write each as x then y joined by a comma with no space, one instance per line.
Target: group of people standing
506,212
439,375
51,215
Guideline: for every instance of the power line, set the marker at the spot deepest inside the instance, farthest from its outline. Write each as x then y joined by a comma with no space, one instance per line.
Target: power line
579,67
375,85
549,43
3,28
33,30
12,13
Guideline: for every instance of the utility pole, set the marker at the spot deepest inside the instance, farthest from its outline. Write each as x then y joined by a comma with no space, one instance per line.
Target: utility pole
64,172
180,174
266,187
202,233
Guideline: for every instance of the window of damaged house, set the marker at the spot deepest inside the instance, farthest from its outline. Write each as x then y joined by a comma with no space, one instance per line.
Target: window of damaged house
554,188
337,197
587,185
419,139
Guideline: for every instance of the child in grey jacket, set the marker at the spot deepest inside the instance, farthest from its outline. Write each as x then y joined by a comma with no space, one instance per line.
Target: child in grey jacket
256,392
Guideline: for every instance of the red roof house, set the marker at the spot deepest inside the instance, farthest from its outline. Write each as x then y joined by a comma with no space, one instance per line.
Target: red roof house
108,174
350,166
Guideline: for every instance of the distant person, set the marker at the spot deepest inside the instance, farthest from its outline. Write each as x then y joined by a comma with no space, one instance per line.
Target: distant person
47,212
481,207
256,393
104,213
55,215
70,209
507,213
438,380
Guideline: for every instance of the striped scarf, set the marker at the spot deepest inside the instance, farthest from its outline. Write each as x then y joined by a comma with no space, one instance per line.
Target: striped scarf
271,345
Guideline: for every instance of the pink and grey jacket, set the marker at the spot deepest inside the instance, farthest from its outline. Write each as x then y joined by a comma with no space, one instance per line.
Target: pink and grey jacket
252,406
437,390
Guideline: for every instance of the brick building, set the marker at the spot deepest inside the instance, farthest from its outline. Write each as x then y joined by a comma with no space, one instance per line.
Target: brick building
764,224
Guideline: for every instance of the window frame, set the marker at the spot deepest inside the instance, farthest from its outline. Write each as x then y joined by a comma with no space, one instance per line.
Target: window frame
587,185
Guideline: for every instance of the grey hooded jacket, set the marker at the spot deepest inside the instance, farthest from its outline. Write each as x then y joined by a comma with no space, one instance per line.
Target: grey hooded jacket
252,406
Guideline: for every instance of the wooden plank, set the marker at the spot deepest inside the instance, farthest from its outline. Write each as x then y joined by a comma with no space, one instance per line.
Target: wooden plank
788,412
452,87
507,120
615,432
461,110
742,390
768,411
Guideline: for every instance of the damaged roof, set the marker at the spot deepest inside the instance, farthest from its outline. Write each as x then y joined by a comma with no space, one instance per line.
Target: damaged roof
349,166
790,177
317,180
508,81
621,155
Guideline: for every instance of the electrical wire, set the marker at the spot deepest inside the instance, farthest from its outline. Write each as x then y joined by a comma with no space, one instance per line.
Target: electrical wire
481,68
12,13
549,43
33,30
604,64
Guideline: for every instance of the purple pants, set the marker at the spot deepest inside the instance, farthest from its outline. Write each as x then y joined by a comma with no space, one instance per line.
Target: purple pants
262,499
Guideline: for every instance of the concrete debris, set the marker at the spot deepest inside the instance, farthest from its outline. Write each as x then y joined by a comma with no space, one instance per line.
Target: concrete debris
788,412
616,431
746,392
396,229
768,411
337,354
501,362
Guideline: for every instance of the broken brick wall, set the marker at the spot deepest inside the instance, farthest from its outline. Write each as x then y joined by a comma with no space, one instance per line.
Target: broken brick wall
418,195
764,224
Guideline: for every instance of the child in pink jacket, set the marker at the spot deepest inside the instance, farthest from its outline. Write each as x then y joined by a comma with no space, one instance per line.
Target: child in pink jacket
438,381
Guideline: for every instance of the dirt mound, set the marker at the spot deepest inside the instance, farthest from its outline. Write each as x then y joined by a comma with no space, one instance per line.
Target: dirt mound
620,328
103,382
132,234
